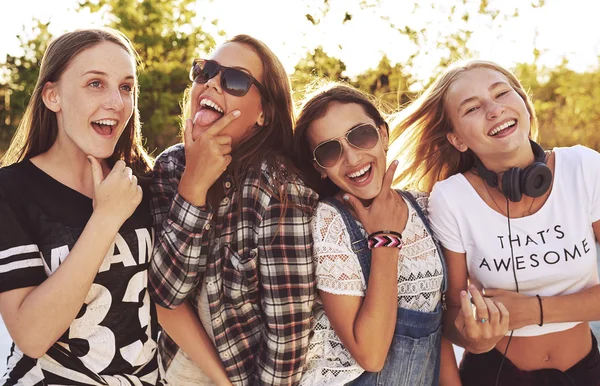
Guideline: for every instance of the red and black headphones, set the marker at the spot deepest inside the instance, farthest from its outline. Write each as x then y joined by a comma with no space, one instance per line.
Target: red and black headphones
533,181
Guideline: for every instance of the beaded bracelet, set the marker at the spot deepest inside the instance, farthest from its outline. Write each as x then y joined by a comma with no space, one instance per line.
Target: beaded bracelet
384,241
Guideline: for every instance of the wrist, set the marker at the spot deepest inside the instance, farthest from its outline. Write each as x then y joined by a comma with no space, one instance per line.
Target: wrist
191,191
105,222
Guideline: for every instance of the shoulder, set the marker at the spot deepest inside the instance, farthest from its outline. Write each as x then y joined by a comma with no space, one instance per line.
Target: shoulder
453,187
328,225
171,157
417,197
12,176
577,155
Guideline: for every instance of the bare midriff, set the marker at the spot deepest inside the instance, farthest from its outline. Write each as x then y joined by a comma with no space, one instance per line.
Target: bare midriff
558,350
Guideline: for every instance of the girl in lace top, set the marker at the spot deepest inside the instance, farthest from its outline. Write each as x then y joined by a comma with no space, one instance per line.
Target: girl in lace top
365,336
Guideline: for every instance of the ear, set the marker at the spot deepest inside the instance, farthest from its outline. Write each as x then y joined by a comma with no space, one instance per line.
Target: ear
385,138
51,97
319,170
260,121
456,142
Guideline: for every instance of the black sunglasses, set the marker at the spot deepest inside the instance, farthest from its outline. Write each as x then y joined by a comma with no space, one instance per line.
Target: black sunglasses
233,81
328,153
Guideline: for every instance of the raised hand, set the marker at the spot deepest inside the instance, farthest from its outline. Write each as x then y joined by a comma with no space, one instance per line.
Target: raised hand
206,158
386,212
116,196
483,325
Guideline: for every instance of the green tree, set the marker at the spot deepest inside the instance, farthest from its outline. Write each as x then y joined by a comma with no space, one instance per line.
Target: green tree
17,79
167,38
317,64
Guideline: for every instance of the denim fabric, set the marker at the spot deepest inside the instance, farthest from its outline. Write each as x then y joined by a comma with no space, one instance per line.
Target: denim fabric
414,355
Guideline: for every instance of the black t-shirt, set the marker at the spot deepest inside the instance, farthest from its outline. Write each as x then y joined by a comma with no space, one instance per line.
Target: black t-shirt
114,334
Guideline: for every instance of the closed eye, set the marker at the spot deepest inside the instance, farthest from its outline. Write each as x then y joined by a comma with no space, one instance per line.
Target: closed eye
471,109
502,93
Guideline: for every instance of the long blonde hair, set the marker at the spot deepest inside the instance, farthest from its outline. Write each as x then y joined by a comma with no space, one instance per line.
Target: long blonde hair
422,126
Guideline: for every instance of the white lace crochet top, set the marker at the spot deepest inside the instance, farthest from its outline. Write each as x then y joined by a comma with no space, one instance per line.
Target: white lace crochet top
338,271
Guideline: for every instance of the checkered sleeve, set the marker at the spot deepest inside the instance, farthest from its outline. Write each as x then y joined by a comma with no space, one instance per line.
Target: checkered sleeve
182,231
288,286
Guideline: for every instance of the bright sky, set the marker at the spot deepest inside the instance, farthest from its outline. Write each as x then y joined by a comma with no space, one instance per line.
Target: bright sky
564,28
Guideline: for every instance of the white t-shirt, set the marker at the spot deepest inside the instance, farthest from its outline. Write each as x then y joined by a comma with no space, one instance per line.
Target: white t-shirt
338,271
554,249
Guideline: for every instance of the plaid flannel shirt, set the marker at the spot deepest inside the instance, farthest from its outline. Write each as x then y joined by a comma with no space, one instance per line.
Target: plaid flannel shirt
256,264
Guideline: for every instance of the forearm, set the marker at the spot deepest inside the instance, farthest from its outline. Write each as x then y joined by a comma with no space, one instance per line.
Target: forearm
184,327
48,310
180,252
376,319
448,368
580,306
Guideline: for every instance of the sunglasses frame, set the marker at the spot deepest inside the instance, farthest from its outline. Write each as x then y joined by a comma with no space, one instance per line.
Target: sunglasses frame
222,70
345,135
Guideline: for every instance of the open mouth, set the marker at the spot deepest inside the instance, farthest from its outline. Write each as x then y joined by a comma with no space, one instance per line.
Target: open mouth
105,127
361,175
209,112
503,127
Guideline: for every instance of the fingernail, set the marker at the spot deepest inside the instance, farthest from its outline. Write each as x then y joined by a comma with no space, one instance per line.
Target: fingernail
236,113
346,198
463,293
395,162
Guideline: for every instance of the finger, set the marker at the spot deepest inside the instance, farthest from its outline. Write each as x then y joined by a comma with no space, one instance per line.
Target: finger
493,311
355,204
225,149
490,292
97,175
504,315
388,178
187,133
134,180
128,172
466,310
221,123
119,167
223,139
479,303
227,161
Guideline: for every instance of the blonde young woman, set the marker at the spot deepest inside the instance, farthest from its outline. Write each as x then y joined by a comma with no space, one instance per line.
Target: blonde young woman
516,222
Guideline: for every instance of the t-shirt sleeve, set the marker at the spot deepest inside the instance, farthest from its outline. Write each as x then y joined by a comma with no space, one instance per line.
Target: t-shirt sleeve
21,264
443,221
591,171
337,268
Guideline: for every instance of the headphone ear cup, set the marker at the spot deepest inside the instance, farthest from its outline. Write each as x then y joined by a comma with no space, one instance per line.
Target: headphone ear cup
511,184
536,179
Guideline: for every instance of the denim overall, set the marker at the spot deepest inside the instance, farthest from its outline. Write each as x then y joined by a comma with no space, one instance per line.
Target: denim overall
414,355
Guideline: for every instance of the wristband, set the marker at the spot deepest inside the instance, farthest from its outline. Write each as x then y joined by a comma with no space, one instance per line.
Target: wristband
385,241
397,234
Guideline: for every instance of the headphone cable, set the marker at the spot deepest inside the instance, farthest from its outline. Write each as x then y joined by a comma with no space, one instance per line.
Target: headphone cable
512,259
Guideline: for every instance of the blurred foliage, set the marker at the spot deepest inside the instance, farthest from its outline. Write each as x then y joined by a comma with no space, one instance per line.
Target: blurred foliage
169,34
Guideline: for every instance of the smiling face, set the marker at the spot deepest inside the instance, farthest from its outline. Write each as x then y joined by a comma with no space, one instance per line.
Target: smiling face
93,100
358,172
210,102
488,116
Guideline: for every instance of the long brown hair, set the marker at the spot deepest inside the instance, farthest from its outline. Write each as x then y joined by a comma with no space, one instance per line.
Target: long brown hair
314,107
422,126
38,128
272,142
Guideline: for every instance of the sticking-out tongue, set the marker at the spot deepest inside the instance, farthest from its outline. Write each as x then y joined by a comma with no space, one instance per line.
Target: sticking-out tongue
206,117
102,129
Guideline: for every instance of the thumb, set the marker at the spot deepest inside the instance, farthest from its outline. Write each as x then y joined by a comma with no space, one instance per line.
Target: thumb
355,203
97,175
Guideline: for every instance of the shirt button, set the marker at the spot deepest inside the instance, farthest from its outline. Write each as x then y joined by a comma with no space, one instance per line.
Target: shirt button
207,226
226,355
210,285
227,185
226,200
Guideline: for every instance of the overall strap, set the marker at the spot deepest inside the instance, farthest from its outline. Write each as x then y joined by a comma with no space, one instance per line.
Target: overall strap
425,220
358,241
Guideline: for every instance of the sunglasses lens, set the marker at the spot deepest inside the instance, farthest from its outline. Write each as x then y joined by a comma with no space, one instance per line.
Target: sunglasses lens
203,70
364,137
235,82
327,154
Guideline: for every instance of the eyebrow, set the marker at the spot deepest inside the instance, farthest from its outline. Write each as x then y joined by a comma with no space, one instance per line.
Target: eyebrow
96,72
493,86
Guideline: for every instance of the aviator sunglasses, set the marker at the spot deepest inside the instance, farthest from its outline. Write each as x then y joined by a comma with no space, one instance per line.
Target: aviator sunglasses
364,137
233,81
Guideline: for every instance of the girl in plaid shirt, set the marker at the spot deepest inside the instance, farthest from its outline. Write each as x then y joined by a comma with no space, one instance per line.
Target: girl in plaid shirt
233,251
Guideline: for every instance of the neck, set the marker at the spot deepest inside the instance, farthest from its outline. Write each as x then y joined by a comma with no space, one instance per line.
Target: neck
519,157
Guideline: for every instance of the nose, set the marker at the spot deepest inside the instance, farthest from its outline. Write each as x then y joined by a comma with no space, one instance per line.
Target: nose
494,110
214,82
114,101
350,154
